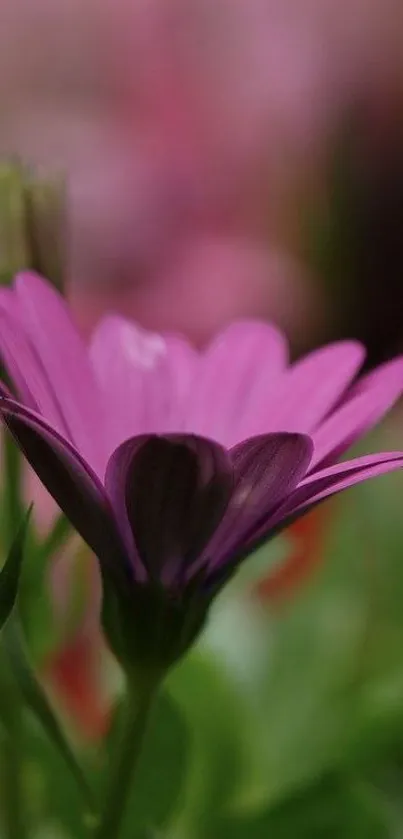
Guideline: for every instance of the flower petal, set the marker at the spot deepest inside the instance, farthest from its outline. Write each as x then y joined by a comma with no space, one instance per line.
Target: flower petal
67,477
64,359
310,492
237,382
150,376
172,492
368,401
26,372
267,469
313,385
316,488
334,479
8,301
14,344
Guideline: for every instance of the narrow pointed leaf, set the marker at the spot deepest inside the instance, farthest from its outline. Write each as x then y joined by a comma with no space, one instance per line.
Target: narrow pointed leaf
11,572
56,537
37,701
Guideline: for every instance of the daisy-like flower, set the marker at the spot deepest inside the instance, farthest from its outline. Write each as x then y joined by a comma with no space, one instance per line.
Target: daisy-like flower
174,465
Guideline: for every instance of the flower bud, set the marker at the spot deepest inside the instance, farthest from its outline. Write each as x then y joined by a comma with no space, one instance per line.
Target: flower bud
32,223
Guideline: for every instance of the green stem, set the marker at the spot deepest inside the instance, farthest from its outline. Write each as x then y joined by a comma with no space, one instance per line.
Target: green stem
12,792
13,811
133,726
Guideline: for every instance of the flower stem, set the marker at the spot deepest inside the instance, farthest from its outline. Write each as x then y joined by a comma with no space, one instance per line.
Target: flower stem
133,726
12,793
13,810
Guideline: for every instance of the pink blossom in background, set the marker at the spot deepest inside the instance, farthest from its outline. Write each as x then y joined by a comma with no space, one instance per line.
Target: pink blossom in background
179,123
214,280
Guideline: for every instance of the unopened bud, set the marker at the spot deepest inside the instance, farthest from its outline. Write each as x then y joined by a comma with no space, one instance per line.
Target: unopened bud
46,224
14,245
32,223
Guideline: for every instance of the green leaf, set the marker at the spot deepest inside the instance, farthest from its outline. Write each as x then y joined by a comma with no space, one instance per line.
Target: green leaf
46,629
53,802
333,691
333,808
56,537
11,572
12,494
37,701
219,727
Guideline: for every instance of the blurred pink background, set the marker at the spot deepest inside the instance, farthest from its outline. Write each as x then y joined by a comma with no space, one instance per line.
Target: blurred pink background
195,135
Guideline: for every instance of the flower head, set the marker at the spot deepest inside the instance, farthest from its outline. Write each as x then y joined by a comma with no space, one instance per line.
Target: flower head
174,465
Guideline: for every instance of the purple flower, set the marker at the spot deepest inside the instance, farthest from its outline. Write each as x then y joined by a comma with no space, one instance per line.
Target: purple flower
174,465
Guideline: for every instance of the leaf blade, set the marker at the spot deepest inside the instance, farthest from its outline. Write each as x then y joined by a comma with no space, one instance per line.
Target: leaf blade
11,572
